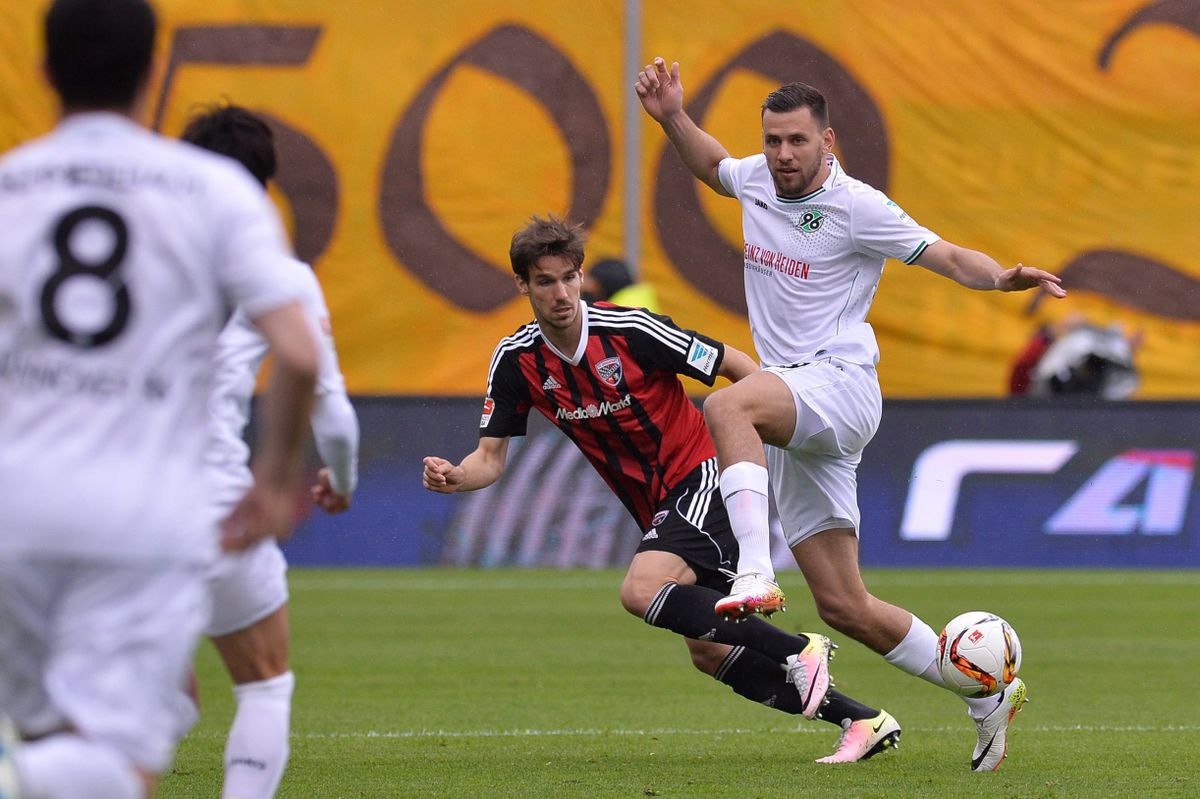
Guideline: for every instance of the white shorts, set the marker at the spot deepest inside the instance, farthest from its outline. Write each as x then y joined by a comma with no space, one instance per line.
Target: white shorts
103,648
838,407
246,587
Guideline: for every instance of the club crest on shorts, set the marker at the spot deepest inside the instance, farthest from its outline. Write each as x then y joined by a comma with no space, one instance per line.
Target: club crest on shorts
610,370
659,518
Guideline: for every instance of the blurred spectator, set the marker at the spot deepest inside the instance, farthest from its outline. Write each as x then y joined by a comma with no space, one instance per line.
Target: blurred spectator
611,281
1076,357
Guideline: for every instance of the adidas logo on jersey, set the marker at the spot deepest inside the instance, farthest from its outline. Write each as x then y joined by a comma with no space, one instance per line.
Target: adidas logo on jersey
650,535
551,384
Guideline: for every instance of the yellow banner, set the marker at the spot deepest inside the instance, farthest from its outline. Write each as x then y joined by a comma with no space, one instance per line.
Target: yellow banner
416,137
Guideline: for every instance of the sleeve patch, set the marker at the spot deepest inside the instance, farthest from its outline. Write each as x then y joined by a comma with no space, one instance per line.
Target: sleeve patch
702,357
896,210
489,405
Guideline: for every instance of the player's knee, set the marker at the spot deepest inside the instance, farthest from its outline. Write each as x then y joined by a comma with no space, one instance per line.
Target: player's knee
250,664
846,614
719,405
636,595
707,657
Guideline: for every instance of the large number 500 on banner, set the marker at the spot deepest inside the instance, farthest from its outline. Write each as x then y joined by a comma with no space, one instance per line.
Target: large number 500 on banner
414,138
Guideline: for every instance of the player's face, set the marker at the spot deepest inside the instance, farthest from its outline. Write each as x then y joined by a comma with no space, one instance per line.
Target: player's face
553,291
795,148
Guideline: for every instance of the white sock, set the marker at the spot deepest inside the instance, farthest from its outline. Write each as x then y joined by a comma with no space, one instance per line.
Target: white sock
67,766
257,750
744,489
981,707
917,653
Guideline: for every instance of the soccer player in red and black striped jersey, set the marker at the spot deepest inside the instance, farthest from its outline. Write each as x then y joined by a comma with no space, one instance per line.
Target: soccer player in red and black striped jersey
608,377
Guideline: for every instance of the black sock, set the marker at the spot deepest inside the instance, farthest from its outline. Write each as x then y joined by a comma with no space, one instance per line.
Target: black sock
755,677
839,706
688,610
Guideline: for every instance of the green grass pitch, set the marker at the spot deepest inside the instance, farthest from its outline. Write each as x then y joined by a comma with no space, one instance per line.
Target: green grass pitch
438,683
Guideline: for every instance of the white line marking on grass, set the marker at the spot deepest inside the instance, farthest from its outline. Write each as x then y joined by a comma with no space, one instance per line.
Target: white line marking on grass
584,732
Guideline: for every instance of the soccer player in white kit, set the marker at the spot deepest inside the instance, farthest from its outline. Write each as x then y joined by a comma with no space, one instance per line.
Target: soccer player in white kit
249,624
815,243
122,255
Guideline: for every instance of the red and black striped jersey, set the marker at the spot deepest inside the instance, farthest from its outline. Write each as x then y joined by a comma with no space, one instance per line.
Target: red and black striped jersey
618,397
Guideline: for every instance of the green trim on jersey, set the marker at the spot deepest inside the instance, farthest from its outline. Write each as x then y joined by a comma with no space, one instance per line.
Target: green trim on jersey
917,252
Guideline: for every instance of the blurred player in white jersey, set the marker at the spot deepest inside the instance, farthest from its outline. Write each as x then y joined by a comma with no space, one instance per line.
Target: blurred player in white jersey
122,255
249,624
815,243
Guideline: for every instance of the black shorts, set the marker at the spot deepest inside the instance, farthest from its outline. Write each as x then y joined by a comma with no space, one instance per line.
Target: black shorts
691,522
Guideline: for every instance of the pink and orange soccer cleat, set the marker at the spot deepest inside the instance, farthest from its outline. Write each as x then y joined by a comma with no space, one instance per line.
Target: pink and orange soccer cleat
751,593
809,672
865,738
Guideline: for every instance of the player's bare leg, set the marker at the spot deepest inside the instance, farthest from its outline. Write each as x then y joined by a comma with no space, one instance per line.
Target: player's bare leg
257,750
741,417
829,561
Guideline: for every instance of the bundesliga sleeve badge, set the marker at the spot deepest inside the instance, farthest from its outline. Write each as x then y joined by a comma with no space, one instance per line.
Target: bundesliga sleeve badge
702,357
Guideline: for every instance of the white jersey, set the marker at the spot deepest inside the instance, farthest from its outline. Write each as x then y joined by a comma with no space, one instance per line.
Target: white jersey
241,349
812,264
122,255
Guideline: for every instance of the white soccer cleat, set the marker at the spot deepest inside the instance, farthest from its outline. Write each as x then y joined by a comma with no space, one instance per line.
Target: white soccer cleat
865,738
992,745
9,787
751,593
809,672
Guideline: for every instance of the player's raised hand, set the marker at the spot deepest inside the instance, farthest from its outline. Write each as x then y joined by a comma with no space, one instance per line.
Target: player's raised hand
660,91
1022,278
323,494
441,475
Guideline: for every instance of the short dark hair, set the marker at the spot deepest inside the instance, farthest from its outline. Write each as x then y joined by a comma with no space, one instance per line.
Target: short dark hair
98,52
238,133
539,237
799,95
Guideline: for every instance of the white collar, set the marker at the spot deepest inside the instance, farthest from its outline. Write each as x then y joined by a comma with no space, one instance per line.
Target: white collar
96,120
583,338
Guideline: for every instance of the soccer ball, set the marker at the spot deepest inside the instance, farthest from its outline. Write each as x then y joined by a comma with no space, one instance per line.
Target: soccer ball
978,654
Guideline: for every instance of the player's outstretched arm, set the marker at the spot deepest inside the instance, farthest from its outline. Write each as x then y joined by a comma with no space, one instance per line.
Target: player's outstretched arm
478,470
976,270
267,509
736,365
336,433
661,94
